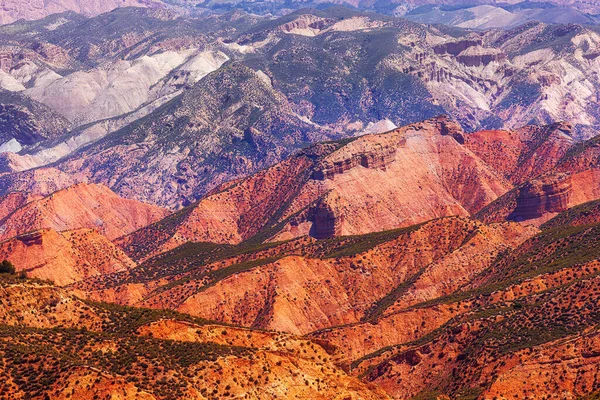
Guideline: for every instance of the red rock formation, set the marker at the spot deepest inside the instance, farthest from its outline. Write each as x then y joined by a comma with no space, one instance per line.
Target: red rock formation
550,194
81,206
372,183
524,153
64,257
375,158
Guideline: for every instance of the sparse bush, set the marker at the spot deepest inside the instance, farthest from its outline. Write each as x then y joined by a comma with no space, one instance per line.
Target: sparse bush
6,267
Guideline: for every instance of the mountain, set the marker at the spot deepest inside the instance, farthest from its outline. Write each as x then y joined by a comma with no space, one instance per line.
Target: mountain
25,122
13,10
257,200
503,15
127,352
65,257
80,206
186,104
570,182
496,302
506,317
445,11
378,182
372,183
359,186
445,295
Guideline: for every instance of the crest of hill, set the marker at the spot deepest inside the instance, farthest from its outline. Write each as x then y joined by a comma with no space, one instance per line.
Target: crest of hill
81,206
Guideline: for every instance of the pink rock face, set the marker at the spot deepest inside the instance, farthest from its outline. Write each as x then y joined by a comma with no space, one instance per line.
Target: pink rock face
81,206
375,159
550,194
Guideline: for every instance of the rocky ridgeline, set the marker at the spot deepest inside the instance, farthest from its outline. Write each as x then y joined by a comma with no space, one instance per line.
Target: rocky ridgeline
375,158
456,47
381,150
550,194
32,238
478,56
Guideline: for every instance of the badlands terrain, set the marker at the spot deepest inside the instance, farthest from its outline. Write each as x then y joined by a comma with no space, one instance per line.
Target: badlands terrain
209,200
424,262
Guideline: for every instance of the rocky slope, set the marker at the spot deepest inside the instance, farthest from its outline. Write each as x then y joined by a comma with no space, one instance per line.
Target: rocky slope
80,206
24,123
283,282
569,178
130,352
527,326
64,257
373,183
501,303
13,10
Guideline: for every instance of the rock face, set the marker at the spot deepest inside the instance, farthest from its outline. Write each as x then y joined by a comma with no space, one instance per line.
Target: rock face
376,158
456,47
523,153
554,171
328,217
65,257
551,194
479,56
81,206
12,202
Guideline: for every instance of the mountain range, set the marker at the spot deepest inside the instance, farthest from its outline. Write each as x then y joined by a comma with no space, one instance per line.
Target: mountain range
164,109
380,200
412,257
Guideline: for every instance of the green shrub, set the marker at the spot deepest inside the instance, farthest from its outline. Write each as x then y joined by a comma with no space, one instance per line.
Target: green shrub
6,267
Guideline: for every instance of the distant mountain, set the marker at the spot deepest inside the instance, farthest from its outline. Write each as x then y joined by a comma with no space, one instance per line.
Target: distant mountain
26,123
568,11
487,16
14,10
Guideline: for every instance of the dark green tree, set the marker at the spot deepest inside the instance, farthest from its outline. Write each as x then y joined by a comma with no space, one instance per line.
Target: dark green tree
6,267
